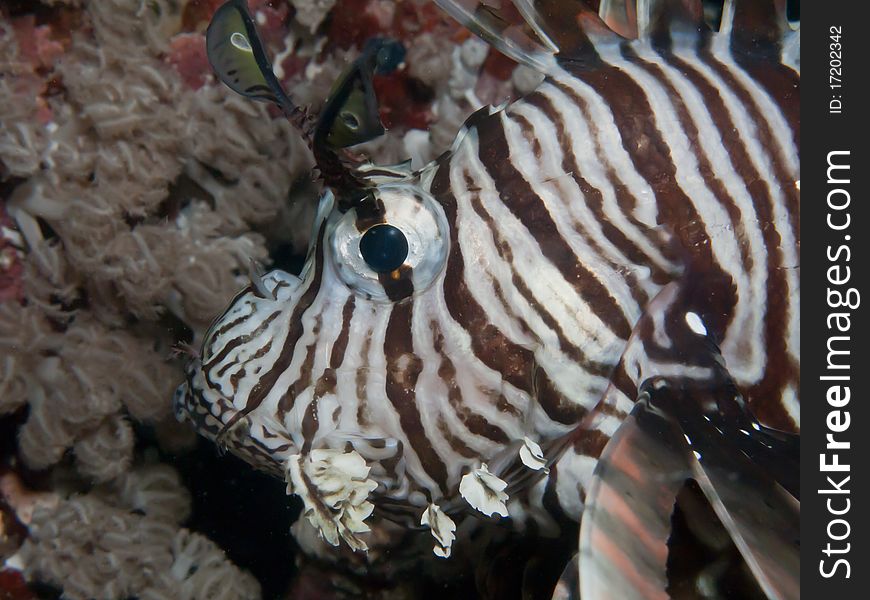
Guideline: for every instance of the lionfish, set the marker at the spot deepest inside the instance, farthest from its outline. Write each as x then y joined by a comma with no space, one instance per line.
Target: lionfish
590,300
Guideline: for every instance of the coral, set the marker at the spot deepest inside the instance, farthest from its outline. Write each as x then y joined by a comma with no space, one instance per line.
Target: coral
136,190
11,287
152,490
23,501
105,453
426,59
138,199
202,571
75,381
94,550
311,13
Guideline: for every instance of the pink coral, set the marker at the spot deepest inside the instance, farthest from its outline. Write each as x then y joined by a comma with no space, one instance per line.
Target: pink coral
39,48
36,42
187,55
136,191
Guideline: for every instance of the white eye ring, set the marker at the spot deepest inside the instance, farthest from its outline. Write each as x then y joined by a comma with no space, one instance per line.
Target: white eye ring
416,214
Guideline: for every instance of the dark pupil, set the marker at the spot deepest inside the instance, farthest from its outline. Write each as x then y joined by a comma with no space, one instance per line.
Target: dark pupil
384,248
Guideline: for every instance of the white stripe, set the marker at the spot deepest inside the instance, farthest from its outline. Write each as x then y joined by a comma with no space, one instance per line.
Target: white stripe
689,177
743,347
482,260
432,395
484,264
387,418
561,196
578,321
569,377
791,405
589,165
767,108
609,140
748,132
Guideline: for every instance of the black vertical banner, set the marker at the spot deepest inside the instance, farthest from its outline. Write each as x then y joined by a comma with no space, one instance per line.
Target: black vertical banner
835,299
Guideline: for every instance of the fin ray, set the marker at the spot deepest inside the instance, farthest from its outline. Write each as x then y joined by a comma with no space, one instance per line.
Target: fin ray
532,32
663,16
620,16
505,29
751,21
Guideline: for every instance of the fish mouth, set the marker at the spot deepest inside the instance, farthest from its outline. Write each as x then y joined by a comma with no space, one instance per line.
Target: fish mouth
191,406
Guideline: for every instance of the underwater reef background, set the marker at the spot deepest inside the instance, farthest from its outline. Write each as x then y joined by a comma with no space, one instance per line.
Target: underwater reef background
136,190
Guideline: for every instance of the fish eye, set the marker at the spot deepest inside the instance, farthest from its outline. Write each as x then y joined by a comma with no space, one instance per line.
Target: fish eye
350,120
384,248
395,251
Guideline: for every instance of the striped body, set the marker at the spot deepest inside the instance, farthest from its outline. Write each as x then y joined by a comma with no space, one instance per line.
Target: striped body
647,178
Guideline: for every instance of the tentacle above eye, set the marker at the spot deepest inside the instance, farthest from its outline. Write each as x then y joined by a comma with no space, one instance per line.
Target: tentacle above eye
236,54
350,116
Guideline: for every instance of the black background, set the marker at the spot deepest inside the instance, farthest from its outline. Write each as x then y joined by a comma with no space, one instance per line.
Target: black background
821,134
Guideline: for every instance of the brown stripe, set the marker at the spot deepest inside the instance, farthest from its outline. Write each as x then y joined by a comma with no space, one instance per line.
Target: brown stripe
778,80
288,399
212,336
235,378
362,416
476,424
622,381
457,444
778,370
592,198
325,385
720,323
756,25
267,381
258,354
513,362
509,308
624,198
400,384
398,284
503,405
336,358
550,499
651,157
225,368
594,202
574,352
309,425
789,102
241,339
555,405
516,194
590,443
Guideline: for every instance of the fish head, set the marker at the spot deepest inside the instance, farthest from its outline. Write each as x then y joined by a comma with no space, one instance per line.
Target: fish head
300,362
